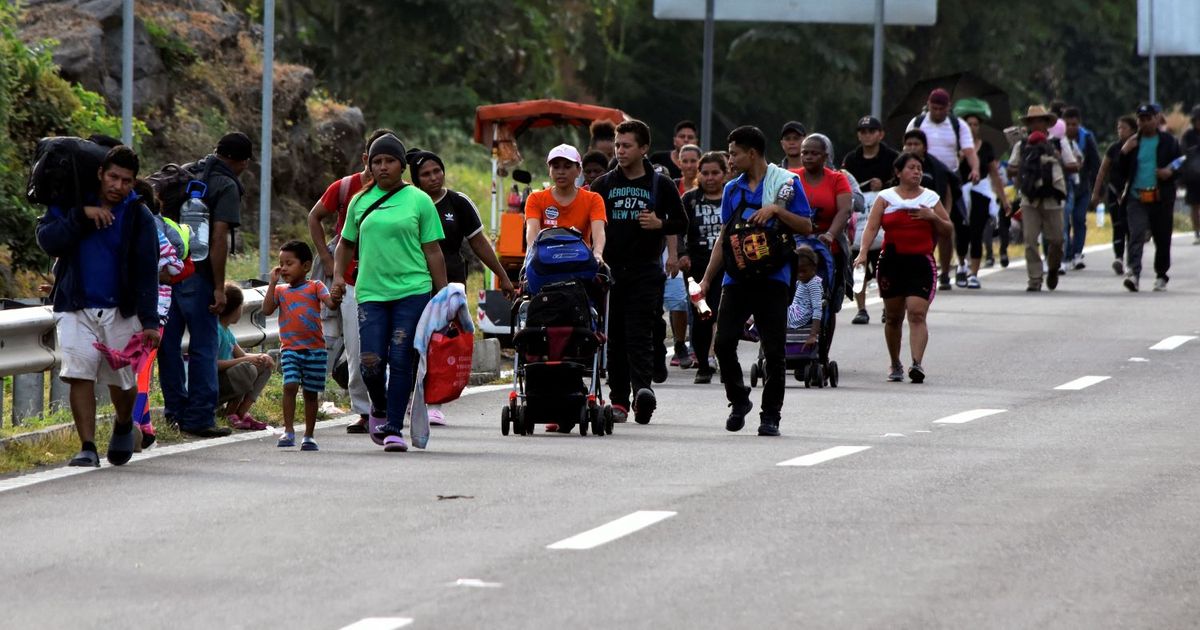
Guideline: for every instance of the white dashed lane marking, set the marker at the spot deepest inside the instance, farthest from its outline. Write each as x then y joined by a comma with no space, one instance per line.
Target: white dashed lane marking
1082,383
379,623
967,416
613,530
812,459
1170,343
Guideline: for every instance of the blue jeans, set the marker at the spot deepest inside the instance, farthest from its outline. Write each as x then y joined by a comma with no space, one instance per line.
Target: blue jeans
389,364
192,398
1075,220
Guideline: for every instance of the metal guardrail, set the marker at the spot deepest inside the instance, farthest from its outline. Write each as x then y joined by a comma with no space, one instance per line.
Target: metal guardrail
27,347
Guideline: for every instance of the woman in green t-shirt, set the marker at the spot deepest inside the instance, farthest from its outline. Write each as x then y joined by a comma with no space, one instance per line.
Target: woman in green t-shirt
395,231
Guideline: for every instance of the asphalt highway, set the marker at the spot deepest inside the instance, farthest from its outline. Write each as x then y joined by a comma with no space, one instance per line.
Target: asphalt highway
988,497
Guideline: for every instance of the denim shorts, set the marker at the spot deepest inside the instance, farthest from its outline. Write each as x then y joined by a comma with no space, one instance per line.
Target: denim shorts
306,367
675,297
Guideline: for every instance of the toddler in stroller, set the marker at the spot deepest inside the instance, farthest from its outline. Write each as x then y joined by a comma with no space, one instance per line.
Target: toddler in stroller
559,332
807,318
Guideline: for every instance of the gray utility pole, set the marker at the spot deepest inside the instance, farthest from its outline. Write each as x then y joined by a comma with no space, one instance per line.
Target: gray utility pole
127,74
268,100
877,64
706,88
1153,70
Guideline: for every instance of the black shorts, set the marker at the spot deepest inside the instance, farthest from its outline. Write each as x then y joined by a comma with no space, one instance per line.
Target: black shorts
906,275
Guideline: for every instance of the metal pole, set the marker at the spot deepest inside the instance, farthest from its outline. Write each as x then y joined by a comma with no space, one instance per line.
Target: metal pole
706,89
268,100
127,74
1153,69
877,64
29,397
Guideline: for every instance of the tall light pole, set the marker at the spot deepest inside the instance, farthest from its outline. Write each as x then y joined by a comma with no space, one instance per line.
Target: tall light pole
706,87
268,100
877,64
127,74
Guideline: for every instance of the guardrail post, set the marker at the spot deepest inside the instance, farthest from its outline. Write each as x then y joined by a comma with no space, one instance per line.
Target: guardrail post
29,396
59,392
2,382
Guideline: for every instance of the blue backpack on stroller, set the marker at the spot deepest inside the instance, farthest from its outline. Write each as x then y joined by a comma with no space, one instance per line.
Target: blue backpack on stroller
558,255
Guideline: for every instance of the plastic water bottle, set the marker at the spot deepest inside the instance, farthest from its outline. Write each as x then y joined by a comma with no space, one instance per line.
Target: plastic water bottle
1175,165
698,299
1100,210
860,278
194,214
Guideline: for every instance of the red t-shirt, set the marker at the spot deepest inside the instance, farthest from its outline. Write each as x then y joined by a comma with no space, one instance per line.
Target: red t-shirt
902,232
822,198
343,190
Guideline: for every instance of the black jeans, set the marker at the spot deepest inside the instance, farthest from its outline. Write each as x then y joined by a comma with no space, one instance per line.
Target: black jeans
1157,218
968,237
767,301
1120,227
635,301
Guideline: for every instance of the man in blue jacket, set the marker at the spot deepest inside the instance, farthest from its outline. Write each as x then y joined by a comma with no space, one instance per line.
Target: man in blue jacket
1145,160
105,291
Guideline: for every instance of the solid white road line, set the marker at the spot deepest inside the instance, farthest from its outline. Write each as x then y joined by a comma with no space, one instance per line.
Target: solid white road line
1170,343
379,623
967,416
609,532
812,459
1083,382
475,583
24,481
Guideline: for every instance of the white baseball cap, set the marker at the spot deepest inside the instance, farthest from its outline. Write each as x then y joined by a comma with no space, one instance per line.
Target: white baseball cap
564,151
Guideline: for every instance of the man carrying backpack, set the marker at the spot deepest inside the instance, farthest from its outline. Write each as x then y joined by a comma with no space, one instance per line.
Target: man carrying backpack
762,209
1040,166
191,402
642,208
1146,160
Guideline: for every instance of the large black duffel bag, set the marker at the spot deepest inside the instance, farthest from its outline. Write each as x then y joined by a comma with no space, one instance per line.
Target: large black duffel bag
64,171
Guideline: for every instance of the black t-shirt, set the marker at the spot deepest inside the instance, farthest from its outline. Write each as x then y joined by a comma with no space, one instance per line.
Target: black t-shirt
704,228
460,221
1116,177
663,158
937,179
986,155
628,245
881,166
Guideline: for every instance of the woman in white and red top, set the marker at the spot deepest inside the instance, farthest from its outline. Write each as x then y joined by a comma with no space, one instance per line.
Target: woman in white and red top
912,219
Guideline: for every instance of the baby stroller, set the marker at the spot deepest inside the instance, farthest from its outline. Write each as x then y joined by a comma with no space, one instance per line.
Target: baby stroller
801,359
559,331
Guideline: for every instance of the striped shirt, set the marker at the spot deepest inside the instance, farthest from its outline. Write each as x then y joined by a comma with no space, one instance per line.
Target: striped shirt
805,303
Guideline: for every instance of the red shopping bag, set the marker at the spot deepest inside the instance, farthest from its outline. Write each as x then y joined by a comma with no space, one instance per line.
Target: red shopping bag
448,364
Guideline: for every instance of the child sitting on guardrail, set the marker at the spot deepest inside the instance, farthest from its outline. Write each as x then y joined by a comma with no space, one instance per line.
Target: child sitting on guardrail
241,376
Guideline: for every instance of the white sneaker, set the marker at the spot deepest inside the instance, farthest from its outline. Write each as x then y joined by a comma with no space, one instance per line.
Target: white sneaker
1078,263
1160,284
437,418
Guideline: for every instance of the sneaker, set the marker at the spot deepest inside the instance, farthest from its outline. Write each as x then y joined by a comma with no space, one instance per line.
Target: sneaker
660,370
916,373
703,377
287,440
1118,267
309,444
437,418
861,318
1160,284
960,277
675,361
1078,263
687,361
1131,283
1034,286
85,459
944,281
973,282
148,440
620,414
1004,261
769,428
1062,268
207,432
896,374
1052,279
737,415
989,262
643,406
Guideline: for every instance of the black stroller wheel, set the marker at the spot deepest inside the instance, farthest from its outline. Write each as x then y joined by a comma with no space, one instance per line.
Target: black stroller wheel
583,421
820,378
808,376
520,421
596,415
755,374
608,419
833,374
799,374
505,420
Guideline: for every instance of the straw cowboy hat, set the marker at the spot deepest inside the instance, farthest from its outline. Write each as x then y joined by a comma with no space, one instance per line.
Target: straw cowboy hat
1039,111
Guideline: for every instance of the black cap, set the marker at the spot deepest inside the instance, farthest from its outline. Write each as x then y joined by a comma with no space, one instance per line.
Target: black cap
869,122
235,146
1146,110
793,126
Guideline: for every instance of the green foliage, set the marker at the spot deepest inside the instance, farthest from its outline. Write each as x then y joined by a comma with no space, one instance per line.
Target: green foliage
176,52
36,102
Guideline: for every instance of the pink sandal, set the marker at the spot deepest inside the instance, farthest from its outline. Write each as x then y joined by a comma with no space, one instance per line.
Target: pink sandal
255,425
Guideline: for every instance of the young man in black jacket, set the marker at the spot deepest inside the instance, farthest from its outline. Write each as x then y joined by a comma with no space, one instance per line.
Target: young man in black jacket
643,208
1149,195
105,291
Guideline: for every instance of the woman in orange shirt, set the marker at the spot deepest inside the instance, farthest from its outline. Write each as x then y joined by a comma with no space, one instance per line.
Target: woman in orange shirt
565,204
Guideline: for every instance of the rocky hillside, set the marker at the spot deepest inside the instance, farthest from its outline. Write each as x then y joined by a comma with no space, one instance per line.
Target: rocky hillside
198,74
